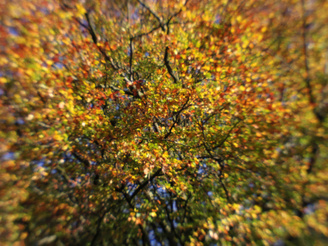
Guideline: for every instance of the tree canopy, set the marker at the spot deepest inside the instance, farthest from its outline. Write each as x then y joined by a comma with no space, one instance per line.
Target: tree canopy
150,122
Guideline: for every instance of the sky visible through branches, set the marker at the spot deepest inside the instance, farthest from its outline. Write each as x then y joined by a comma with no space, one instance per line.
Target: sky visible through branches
159,122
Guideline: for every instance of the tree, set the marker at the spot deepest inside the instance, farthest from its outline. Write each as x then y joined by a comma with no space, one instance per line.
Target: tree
164,122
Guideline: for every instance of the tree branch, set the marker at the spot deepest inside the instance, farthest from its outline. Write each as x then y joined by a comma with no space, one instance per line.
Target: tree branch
168,66
305,53
94,38
154,14
80,159
144,184
131,58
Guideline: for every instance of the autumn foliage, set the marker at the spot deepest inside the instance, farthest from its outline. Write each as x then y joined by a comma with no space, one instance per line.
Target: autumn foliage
141,122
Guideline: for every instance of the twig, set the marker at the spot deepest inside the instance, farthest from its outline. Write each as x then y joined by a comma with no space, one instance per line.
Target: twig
226,137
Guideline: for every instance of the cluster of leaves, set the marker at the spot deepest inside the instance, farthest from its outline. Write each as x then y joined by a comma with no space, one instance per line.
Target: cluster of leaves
164,122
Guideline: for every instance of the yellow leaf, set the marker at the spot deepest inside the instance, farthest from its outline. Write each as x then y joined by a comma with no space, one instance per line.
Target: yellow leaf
3,80
153,214
236,145
80,9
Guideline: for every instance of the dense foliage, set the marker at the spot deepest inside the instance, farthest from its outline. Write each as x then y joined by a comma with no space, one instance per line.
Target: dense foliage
144,122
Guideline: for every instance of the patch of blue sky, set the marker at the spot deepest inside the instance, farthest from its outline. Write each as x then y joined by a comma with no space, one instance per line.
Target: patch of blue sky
8,156
13,31
20,121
